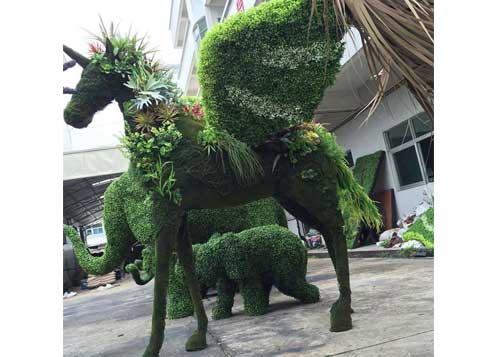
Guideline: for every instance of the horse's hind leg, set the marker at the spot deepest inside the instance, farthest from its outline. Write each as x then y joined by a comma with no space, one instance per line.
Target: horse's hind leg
316,204
163,250
198,340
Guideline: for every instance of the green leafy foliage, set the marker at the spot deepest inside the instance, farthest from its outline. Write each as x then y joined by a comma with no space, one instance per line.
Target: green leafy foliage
267,69
365,174
243,161
365,170
254,260
422,229
149,152
301,142
179,300
355,204
203,223
119,54
151,87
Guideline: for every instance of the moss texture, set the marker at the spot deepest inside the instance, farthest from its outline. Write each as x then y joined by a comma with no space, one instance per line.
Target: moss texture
94,92
254,260
264,70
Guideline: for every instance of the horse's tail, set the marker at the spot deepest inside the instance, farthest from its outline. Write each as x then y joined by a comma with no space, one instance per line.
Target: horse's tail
351,194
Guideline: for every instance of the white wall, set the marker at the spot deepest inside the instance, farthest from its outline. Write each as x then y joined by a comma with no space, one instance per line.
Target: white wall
368,138
196,9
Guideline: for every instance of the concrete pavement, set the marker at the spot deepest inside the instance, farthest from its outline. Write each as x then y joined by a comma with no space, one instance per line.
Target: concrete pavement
392,298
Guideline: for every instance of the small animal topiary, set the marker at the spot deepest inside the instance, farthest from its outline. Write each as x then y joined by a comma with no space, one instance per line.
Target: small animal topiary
253,260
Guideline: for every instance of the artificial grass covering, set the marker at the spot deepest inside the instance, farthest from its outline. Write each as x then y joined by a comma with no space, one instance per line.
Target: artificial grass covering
253,260
267,69
422,229
366,170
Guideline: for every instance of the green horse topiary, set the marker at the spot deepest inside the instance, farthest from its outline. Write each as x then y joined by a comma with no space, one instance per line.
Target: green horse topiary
183,159
253,260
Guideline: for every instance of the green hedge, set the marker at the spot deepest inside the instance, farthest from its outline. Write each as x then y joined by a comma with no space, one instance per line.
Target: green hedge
263,71
366,170
203,223
255,260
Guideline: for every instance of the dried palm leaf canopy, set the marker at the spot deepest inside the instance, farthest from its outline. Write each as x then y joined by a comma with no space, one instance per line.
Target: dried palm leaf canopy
397,36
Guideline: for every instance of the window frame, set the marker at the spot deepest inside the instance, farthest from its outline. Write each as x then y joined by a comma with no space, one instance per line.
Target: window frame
347,154
414,141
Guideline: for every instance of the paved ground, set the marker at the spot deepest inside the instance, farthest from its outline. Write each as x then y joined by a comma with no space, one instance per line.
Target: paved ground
393,300
368,251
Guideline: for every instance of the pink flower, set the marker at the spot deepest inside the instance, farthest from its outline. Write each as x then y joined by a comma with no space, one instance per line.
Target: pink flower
95,47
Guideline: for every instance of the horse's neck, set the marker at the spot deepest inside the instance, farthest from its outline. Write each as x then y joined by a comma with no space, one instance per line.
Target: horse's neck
120,99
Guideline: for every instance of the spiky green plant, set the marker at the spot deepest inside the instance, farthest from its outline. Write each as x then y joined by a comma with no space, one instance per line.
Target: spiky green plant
151,87
242,159
354,197
166,113
144,121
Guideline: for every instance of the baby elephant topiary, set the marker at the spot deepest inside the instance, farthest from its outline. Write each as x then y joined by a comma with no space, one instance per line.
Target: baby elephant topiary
253,260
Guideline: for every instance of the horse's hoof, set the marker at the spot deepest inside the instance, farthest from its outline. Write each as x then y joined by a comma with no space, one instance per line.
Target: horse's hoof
197,342
150,353
339,326
340,317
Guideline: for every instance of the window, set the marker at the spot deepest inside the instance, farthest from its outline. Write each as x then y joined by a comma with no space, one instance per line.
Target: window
94,229
411,145
349,159
199,29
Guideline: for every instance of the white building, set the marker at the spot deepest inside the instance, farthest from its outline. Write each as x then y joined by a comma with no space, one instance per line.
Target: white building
399,126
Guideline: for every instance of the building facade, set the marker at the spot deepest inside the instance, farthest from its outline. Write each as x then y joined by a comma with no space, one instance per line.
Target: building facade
399,126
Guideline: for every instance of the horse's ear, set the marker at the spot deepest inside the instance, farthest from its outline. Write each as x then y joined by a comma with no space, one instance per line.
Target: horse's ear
79,58
109,49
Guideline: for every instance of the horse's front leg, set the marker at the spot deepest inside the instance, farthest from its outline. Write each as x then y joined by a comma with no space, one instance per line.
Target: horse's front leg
164,244
198,340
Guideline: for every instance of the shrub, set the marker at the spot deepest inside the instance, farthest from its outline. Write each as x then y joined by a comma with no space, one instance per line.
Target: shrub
203,223
422,229
253,83
255,260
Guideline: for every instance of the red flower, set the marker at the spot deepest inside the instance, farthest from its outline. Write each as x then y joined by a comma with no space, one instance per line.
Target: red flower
196,110
95,47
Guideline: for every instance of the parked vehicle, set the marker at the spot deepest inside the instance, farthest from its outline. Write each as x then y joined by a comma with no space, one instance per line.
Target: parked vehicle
95,239
71,269
313,238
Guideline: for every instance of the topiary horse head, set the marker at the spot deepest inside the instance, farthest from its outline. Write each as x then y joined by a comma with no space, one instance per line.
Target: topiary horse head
252,138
